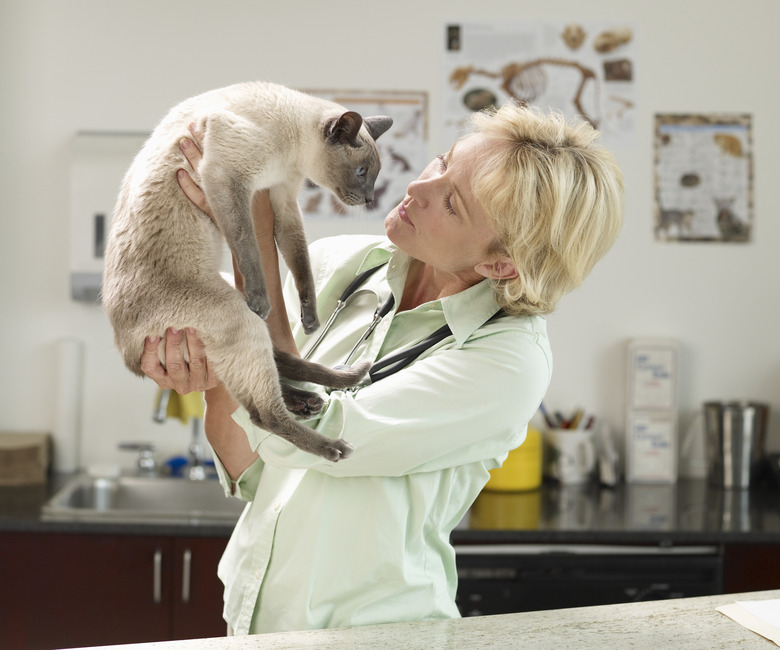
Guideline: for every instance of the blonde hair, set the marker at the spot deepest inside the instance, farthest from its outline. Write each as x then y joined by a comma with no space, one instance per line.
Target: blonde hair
553,197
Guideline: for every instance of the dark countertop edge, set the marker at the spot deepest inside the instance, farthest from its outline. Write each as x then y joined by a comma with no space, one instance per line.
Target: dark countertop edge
459,537
117,528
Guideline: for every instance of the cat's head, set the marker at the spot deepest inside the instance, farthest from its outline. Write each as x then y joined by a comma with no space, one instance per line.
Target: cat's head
348,161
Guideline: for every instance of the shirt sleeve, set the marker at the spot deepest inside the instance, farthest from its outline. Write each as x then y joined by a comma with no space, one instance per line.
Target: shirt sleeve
453,407
245,486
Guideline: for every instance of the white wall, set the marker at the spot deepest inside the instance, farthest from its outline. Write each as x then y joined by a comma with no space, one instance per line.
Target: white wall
100,65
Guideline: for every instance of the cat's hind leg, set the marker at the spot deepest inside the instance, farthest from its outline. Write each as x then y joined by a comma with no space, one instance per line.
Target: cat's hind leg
293,367
243,358
301,402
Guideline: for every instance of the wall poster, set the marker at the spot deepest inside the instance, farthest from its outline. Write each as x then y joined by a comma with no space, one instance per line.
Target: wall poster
703,178
403,149
585,70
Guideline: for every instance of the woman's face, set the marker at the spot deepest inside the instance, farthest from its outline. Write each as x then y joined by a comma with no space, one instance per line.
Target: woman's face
440,222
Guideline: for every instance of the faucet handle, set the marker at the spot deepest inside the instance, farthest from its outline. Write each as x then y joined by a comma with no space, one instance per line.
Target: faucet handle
146,465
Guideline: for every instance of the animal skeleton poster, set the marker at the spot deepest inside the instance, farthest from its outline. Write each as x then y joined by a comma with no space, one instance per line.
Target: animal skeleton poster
403,150
584,70
703,178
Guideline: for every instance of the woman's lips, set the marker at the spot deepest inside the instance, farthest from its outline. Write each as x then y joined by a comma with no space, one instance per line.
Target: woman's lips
404,215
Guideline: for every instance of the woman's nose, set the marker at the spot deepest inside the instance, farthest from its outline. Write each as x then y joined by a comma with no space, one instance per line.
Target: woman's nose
419,191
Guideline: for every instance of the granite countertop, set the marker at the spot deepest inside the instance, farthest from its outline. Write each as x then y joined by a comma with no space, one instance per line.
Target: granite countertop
687,512
682,624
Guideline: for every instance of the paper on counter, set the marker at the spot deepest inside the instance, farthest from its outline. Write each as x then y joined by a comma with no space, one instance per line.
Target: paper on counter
759,616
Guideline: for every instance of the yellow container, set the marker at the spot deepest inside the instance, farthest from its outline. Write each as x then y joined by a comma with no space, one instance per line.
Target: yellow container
522,470
506,511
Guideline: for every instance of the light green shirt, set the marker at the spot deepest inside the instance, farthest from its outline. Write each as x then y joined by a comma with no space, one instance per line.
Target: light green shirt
366,540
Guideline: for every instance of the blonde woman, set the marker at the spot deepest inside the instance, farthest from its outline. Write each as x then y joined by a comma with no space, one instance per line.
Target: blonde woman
485,242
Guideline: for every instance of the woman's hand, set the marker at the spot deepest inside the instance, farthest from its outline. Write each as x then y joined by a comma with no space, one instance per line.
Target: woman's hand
192,152
179,374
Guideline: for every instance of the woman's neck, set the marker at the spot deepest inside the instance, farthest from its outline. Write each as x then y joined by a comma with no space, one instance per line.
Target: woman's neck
425,283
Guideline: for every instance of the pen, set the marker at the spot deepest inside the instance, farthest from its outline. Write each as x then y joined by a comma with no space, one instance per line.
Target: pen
546,416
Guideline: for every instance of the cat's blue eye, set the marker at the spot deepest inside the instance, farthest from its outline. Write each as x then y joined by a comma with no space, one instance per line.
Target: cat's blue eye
360,171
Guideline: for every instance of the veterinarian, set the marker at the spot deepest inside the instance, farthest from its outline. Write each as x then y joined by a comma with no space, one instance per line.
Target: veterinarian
486,241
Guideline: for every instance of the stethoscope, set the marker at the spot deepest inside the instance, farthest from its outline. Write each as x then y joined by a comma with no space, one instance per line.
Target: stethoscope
350,292
395,362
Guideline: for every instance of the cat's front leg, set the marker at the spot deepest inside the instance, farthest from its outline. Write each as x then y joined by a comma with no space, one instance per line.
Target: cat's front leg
249,264
230,197
291,239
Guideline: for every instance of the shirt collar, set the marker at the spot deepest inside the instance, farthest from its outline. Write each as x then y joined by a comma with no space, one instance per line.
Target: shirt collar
464,312
469,310
377,255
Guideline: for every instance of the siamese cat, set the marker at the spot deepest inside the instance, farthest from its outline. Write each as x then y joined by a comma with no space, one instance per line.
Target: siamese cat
163,254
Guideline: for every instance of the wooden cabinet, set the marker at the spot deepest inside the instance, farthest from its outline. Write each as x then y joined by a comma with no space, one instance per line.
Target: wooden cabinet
751,567
69,590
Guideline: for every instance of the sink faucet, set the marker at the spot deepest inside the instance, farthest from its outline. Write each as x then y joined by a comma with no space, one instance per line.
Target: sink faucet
161,412
146,465
196,471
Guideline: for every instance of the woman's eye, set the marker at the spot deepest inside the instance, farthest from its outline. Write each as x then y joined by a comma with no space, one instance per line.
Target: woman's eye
360,171
448,204
442,164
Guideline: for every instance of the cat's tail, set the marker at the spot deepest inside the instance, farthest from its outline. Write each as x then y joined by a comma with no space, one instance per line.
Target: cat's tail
295,368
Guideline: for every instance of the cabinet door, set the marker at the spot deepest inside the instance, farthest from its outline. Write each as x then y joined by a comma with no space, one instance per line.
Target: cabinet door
98,589
197,591
751,567
17,573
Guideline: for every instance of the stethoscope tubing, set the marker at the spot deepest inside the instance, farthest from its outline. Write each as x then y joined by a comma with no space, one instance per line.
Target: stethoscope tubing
395,362
379,314
349,292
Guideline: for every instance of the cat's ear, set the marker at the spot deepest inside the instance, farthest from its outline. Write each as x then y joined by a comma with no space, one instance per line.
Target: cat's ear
344,128
378,124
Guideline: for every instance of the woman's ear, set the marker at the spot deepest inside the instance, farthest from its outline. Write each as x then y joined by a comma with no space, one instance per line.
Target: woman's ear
500,268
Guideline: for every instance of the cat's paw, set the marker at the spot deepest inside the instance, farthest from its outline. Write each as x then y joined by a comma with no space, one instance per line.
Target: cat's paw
301,402
259,303
337,450
309,319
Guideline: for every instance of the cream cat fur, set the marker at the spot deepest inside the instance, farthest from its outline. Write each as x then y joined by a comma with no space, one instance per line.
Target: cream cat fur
163,254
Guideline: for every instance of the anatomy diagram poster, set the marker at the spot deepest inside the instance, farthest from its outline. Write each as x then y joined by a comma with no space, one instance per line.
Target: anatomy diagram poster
703,178
403,151
584,70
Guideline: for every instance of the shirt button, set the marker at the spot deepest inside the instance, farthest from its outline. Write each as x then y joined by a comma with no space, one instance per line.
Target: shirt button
277,506
258,574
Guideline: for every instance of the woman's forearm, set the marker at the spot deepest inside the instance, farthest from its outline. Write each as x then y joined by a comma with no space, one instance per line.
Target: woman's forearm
227,439
278,325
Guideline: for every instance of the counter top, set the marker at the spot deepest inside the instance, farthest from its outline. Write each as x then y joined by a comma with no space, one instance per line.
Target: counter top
20,511
682,624
687,512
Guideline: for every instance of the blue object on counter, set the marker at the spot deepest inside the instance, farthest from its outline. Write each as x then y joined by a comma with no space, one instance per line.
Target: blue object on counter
177,467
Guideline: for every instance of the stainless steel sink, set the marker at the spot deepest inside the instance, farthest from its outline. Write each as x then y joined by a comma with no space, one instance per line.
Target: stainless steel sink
130,499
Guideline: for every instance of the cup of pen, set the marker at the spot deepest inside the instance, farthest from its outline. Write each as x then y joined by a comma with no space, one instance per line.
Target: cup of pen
569,455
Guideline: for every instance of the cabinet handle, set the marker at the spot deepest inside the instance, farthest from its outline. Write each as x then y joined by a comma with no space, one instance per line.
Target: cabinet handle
157,577
185,578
